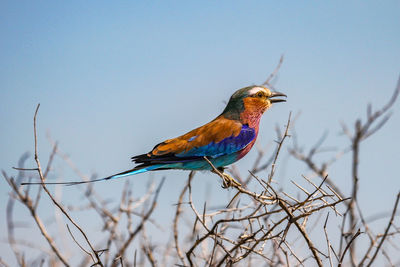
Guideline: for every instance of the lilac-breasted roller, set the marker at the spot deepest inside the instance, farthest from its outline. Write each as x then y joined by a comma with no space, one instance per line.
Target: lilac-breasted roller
224,140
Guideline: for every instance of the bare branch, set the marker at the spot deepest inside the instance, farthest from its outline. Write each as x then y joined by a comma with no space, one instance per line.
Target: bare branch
273,74
387,228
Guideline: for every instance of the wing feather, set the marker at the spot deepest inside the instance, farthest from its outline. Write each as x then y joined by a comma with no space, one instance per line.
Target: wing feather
214,131
219,137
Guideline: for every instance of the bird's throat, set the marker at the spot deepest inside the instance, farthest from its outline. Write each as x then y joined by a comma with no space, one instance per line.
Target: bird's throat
251,115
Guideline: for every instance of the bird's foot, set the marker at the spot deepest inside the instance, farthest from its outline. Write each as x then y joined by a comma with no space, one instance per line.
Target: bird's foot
229,181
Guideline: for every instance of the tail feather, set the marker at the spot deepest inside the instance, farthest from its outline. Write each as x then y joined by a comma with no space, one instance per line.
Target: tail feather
144,160
133,171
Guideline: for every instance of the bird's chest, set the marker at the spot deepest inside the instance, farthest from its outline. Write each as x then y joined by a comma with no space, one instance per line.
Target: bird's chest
246,150
251,118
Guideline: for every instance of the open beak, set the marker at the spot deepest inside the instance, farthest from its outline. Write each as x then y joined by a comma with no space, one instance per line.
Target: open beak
277,100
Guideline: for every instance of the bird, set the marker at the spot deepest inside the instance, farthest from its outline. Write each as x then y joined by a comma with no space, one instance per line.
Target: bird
213,146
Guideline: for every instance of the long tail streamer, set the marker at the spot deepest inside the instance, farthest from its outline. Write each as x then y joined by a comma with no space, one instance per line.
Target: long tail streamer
115,176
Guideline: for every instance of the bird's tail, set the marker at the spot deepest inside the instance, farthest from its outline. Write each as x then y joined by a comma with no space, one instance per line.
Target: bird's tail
133,171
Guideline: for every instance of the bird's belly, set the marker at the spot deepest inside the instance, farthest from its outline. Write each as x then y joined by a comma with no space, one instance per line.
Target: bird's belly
204,165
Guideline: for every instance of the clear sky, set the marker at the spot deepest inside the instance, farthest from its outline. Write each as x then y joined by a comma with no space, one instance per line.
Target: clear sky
115,78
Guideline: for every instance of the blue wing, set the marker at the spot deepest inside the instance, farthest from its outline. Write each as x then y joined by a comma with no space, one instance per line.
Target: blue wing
227,146
201,142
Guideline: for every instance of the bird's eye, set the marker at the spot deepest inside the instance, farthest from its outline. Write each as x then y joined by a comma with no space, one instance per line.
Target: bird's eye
260,94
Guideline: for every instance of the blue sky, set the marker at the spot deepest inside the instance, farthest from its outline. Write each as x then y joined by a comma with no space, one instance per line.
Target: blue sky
115,79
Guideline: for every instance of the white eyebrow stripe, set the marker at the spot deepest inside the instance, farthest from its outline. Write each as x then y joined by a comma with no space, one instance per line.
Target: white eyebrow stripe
257,89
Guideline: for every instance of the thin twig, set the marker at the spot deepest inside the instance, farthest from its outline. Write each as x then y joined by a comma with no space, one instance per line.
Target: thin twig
285,135
386,230
62,209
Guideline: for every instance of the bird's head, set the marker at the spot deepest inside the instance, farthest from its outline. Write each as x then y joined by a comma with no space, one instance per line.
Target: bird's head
253,100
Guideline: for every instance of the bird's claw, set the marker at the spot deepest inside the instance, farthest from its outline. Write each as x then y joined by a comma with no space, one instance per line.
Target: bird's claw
229,181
